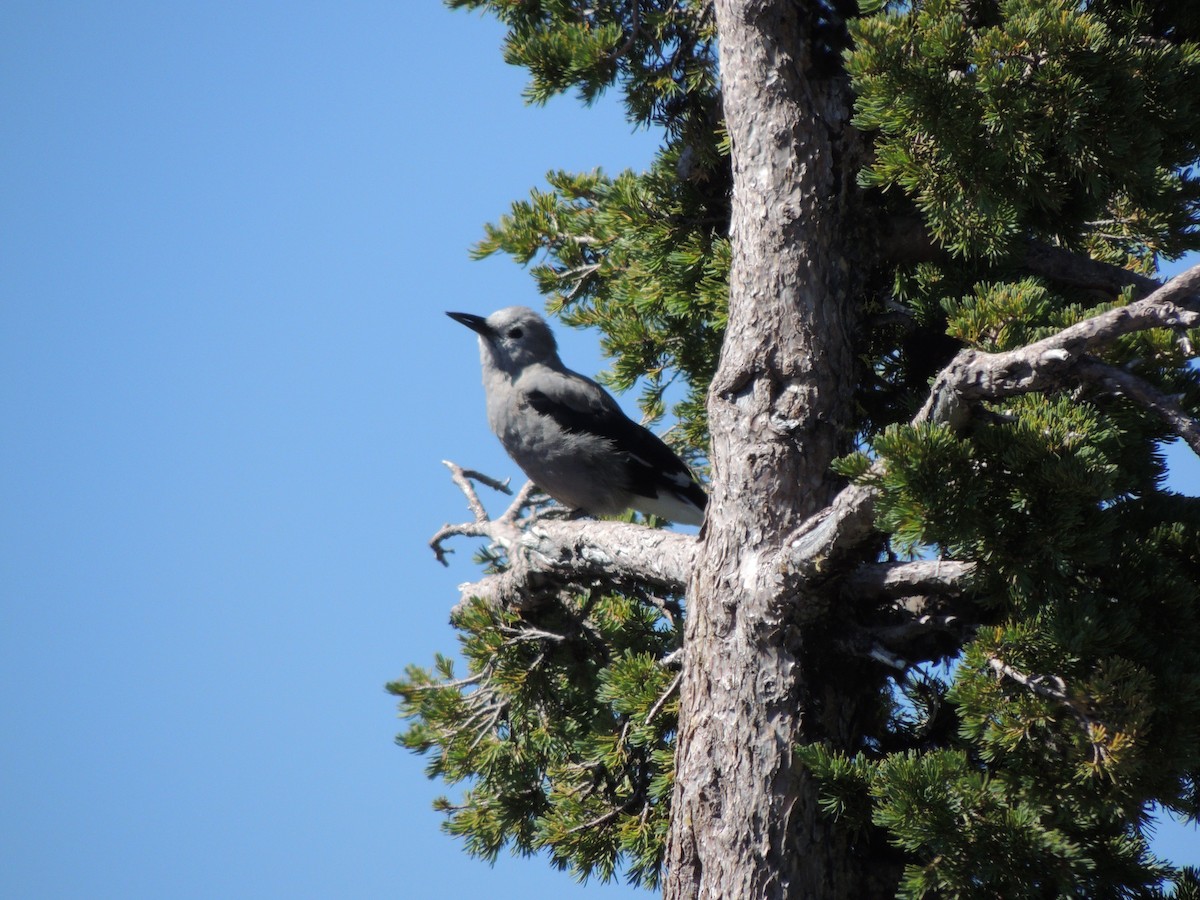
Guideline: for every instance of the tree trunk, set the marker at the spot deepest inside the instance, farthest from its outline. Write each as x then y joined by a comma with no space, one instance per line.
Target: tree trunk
745,818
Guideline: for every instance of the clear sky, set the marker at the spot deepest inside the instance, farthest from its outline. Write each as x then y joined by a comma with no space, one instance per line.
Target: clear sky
228,232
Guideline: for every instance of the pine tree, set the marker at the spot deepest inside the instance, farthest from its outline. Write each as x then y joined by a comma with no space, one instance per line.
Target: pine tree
940,634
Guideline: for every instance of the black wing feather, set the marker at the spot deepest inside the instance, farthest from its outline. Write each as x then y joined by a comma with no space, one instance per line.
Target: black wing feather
645,454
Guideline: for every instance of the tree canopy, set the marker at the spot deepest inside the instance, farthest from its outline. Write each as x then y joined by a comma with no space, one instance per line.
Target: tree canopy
1000,636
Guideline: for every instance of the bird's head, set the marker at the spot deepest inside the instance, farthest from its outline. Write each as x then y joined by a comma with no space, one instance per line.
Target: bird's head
512,338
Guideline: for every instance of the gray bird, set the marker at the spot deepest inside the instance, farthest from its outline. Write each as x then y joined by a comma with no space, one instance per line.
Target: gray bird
567,433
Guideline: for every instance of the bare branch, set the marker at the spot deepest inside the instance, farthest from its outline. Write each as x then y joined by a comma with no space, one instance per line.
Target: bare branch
901,579
1142,392
478,529
529,633
490,728
502,530
671,609
528,497
545,553
463,478
812,549
1046,364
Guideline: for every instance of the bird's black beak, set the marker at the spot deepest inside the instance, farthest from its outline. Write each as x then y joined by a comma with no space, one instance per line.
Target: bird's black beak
477,324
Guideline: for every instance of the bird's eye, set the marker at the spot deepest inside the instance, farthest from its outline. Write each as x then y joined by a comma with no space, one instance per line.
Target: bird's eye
515,333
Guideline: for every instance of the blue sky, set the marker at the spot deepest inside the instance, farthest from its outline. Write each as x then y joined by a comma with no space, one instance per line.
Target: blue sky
228,232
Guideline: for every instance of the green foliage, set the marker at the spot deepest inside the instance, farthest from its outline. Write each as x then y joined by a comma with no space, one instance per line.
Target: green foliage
562,727
661,52
1052,118
1071,708
1082,707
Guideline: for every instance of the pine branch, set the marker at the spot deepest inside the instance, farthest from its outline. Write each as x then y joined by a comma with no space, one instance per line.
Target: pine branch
847,523
1078,271
604,818
1047,364
903,579
635,27
661,701
1049,686
1142,392
545,553
907,240
1054,688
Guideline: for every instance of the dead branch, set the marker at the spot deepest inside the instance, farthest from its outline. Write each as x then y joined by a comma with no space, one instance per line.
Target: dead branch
463,478
545,553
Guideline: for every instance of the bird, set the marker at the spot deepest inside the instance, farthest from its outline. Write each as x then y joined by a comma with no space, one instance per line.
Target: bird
567,433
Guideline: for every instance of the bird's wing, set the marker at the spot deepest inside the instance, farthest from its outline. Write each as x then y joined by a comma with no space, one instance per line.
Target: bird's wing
581,406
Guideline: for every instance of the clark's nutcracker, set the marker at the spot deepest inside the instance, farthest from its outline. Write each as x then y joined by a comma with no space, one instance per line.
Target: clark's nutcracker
566,432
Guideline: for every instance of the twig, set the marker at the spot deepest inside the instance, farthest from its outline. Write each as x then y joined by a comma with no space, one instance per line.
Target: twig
529,495
602,819
448,531
463,478
458,683
1049,686
487,729
516,635
669,608
635,26
658,704
1144,393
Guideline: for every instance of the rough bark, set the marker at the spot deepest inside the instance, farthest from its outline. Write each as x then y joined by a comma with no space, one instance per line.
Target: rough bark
745,816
